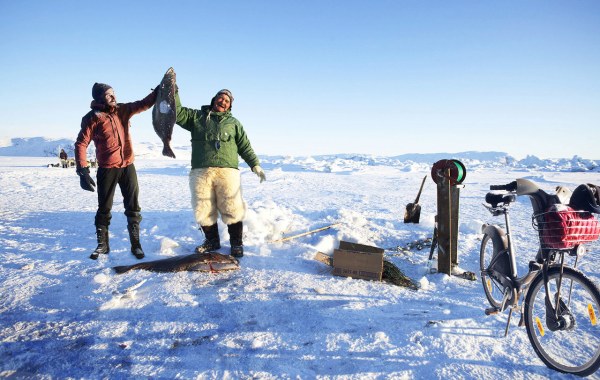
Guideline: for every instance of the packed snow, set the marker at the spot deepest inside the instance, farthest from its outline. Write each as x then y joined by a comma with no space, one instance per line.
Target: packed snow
282,315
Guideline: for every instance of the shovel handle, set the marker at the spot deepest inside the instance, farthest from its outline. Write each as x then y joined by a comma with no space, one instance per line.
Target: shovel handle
420,190
304,233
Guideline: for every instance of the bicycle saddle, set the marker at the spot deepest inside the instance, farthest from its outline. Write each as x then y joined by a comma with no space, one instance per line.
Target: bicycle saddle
540,200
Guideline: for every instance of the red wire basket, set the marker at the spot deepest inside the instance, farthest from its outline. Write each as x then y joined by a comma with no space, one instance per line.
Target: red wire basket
562,227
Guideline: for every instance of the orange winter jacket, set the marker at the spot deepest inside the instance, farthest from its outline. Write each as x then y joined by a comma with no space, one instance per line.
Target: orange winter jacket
109,129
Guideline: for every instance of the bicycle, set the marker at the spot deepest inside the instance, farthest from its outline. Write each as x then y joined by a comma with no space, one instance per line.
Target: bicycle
560,303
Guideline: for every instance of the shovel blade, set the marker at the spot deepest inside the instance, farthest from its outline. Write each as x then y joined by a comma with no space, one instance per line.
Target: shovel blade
412,213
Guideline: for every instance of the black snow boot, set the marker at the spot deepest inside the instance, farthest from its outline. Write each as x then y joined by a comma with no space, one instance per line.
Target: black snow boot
212,242
102,236
134,237
235,239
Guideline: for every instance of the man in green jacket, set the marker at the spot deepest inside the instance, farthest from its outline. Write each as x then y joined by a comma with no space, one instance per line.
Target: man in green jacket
217,140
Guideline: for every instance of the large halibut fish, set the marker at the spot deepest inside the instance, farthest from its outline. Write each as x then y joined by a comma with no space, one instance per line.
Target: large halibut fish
202,262
163,113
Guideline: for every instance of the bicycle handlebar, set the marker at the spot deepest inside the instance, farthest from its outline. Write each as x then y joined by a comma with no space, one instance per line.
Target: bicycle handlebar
508,187
495,199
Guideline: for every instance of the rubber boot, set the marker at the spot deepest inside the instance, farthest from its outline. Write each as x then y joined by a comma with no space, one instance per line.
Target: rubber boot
103,247
212,242
134,237
235,239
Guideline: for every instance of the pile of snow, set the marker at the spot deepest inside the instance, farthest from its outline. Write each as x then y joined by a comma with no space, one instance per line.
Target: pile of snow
49,147
34,147
336,163
347,163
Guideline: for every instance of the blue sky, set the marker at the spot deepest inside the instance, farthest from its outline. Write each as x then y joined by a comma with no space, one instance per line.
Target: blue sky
319,77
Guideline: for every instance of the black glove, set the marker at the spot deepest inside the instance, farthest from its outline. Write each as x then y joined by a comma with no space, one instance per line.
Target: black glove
85,181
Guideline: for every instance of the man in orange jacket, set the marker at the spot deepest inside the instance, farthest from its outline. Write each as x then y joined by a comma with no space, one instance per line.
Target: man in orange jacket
107,125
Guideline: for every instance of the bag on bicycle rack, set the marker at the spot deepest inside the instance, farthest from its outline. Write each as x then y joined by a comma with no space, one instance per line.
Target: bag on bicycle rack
586,197
562,227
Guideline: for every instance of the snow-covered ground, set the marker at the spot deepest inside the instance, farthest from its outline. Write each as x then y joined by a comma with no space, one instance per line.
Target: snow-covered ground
282,315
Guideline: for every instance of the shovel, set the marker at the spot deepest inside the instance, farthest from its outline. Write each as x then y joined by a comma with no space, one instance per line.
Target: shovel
413,210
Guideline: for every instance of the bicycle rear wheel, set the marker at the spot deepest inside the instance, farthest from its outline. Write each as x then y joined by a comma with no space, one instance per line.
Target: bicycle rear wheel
494,291
576,348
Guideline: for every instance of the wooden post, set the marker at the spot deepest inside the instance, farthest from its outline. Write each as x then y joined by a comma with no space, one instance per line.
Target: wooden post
447,224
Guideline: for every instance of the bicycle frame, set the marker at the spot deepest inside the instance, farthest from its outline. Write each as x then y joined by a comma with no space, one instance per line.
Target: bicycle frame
514,286
504,240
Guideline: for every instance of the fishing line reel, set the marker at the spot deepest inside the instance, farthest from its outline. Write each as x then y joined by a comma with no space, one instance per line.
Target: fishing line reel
452,170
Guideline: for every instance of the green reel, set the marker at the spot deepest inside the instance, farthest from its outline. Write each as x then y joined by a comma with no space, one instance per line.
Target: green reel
453,170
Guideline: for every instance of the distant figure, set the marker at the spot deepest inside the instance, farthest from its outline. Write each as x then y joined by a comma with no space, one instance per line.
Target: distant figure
63,158
107,124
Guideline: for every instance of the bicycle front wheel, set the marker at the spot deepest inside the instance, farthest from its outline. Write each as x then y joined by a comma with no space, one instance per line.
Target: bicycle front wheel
494,291
575,347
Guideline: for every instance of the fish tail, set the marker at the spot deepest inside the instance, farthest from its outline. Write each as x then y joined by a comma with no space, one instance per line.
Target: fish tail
122,269
167,151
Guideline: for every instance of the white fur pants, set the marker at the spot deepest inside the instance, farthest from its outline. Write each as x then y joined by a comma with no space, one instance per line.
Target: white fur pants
216,191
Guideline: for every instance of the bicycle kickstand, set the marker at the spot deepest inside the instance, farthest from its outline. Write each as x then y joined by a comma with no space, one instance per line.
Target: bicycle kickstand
508,322
511,307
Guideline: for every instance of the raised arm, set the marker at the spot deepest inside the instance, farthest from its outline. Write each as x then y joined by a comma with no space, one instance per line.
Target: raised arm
134,108
185,116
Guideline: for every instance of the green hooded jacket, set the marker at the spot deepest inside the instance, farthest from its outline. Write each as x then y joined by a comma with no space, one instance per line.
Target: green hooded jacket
217,137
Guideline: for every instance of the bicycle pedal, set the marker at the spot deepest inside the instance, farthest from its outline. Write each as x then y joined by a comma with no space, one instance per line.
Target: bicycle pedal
492,311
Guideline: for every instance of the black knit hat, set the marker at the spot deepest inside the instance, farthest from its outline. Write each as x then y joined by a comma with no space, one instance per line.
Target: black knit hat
98,90
226,92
